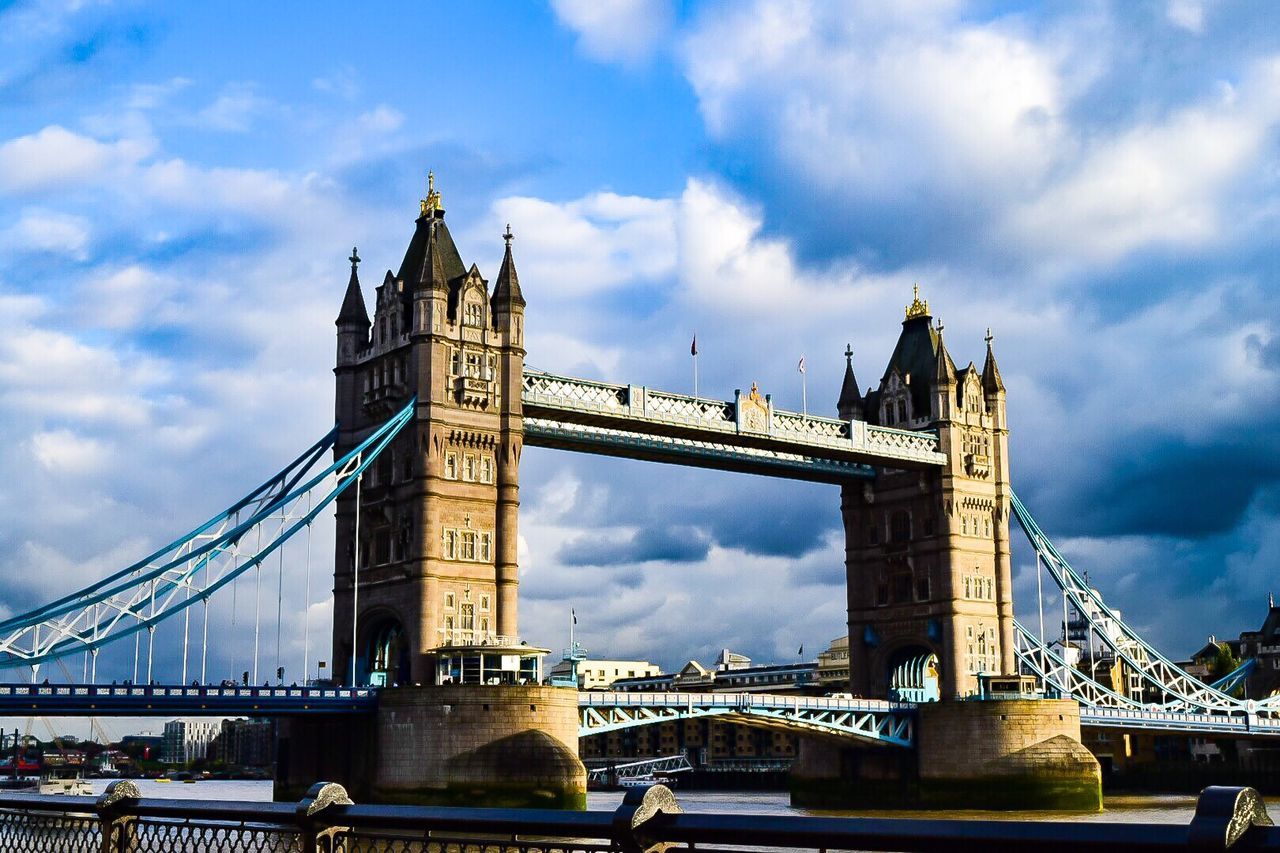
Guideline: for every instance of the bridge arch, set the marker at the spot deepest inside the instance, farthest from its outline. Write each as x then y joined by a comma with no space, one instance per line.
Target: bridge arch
892,655
914,675
385,650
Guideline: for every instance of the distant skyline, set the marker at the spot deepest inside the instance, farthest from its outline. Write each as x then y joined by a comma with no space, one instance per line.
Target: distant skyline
180,187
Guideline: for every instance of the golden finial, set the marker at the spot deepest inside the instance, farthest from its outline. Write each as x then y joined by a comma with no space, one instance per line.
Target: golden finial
432,201
917,308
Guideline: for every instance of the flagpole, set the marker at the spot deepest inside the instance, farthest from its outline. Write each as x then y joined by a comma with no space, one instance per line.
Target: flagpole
693,351
804,387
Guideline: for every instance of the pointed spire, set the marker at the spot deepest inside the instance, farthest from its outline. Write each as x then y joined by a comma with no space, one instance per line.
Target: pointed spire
353,310
507,291
991,381
944,369
432,276
850,403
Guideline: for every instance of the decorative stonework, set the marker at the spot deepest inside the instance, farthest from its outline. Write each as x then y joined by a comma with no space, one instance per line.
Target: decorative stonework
753,411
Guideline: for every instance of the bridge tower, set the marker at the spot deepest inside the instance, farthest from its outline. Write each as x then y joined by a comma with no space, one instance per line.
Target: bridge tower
436,550
927,555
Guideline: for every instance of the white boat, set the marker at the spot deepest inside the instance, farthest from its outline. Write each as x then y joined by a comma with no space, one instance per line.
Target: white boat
68,781
638,781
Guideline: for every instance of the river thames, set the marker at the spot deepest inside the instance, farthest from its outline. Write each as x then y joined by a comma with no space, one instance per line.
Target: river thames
1144,808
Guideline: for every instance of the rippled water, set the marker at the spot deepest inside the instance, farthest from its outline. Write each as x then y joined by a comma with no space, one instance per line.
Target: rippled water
1127,809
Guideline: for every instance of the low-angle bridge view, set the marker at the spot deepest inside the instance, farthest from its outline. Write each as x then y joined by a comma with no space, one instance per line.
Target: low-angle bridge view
525,428
435,405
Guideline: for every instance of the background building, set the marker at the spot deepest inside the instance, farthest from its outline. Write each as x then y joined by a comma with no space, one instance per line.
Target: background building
601,674
187,740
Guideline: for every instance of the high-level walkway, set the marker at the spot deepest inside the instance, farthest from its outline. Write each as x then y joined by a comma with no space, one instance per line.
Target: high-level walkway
744,434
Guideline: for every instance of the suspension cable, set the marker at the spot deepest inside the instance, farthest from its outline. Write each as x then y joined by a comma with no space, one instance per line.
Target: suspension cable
279,611
306,606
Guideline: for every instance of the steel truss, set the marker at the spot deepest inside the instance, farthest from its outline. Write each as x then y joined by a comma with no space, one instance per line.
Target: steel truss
678,763
191,569
887,723
1177,691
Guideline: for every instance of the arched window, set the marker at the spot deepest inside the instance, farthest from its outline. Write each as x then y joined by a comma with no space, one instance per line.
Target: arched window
902,410
474,314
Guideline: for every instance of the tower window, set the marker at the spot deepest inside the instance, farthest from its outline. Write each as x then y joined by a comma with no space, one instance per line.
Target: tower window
486,554
455,362
900,527
473,314
486,469
468,544
451,466
922,589
469,467
473,365
902,410
448,600
449,547
484,602
491,363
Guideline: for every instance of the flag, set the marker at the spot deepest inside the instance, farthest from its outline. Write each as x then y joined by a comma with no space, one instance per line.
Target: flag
800,653
693,347
574,615
800,366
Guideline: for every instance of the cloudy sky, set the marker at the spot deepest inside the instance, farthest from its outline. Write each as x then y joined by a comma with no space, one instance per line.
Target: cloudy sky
1097,182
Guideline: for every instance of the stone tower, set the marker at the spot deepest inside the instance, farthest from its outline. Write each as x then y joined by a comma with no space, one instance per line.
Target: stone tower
927,555
436,551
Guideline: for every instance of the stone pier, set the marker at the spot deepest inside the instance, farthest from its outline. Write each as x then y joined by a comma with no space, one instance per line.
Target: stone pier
502,746
993,754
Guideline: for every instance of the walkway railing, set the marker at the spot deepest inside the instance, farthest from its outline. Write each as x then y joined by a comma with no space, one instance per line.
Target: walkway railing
649,819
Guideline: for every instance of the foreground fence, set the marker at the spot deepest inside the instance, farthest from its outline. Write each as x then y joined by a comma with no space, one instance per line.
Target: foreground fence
649,819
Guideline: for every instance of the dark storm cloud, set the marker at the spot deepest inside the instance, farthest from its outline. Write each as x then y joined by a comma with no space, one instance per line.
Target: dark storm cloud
675,544
1164,486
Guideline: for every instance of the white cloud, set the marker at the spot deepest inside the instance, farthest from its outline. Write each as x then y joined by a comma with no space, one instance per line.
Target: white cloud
234,110
625,31
1188,14
382,119
125,298
861,96
63,451
589,245
1157,183
56,157
39,230
343,83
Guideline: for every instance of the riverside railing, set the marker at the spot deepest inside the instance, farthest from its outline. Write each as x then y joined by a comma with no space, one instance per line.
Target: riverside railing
649,820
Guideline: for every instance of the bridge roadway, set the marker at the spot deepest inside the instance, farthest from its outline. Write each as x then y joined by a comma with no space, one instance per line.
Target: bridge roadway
136,700
869,720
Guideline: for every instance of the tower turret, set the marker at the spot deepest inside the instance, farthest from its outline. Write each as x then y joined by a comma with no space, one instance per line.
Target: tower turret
944,381
353,318
850,403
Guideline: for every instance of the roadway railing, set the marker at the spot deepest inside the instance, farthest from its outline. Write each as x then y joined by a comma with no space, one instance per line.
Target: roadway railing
640,699
79,698
649,819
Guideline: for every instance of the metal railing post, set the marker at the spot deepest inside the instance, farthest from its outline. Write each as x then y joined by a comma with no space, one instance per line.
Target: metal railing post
641,808
316,836
1223,815
115,816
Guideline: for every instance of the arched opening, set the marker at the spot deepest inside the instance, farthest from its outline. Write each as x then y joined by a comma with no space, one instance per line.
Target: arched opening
914,676
386,655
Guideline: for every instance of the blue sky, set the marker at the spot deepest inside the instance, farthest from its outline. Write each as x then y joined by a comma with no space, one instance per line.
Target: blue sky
1097,182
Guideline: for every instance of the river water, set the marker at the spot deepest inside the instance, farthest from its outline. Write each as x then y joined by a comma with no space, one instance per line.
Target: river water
1128,809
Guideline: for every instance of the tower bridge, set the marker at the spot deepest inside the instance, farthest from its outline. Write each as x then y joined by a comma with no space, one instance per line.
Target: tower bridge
434,406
